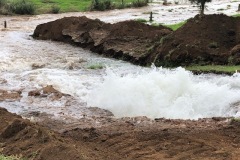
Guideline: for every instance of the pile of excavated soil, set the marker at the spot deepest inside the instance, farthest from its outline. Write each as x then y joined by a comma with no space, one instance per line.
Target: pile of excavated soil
125,138
209,39
128,40
20,137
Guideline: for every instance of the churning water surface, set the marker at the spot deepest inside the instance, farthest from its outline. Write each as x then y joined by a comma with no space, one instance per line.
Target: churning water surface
120,87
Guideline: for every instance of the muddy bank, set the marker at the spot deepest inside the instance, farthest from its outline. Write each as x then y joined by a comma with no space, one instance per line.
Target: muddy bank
21,137
211,39
128,40
125,138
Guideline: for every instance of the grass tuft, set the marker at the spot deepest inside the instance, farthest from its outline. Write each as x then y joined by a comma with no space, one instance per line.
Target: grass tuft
22,7
176,26
96,66
2,157
141,20
236,15
217,68
55,9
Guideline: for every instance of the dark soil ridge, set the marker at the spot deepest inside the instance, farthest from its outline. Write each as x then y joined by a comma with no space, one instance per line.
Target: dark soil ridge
209,39
128,40
123,139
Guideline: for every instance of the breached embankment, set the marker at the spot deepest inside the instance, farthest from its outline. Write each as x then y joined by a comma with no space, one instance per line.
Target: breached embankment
210,39
128,40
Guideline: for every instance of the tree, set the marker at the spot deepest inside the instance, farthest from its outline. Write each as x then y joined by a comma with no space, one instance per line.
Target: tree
202,4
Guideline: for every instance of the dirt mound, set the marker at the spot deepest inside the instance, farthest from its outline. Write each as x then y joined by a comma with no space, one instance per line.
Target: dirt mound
209,39
126,138
205,39
22,138
207,139
128,40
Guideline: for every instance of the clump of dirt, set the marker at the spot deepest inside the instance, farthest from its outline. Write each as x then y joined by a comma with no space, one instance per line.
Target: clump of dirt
125,138
10,95
209,39
46,91
128,40
204,40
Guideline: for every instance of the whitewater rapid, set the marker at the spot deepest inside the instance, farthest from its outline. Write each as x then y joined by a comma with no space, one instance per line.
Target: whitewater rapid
159,92
120,87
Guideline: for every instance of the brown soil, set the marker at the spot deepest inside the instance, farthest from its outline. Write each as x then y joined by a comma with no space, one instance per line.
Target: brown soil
202,40
10,95
46,91
128,40
20,137
125,138
210,39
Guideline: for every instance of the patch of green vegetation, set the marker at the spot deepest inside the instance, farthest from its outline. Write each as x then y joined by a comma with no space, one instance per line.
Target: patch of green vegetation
236,15
2,157
174,27
217,68
45,6
236,119
139,3
141,20
213,45
17,7
95,66
102,5
21,7
56,6
55,9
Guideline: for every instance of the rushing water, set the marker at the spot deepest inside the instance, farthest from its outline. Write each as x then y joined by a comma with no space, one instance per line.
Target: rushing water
122,88
167,93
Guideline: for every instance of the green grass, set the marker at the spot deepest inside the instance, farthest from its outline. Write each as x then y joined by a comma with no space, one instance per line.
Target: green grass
236,15
174,27
218,68
95,66
141,20
45,6
2,157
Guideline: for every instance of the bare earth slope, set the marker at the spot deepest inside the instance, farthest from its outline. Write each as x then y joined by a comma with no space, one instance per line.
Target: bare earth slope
211,39
126,138
128,40
202,40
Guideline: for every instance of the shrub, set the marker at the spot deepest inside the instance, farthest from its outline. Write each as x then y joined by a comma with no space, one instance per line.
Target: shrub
2,3
139,3
101,5
22,7
55,9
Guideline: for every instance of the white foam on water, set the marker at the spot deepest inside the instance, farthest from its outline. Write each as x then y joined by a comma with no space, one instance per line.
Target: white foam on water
165,93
